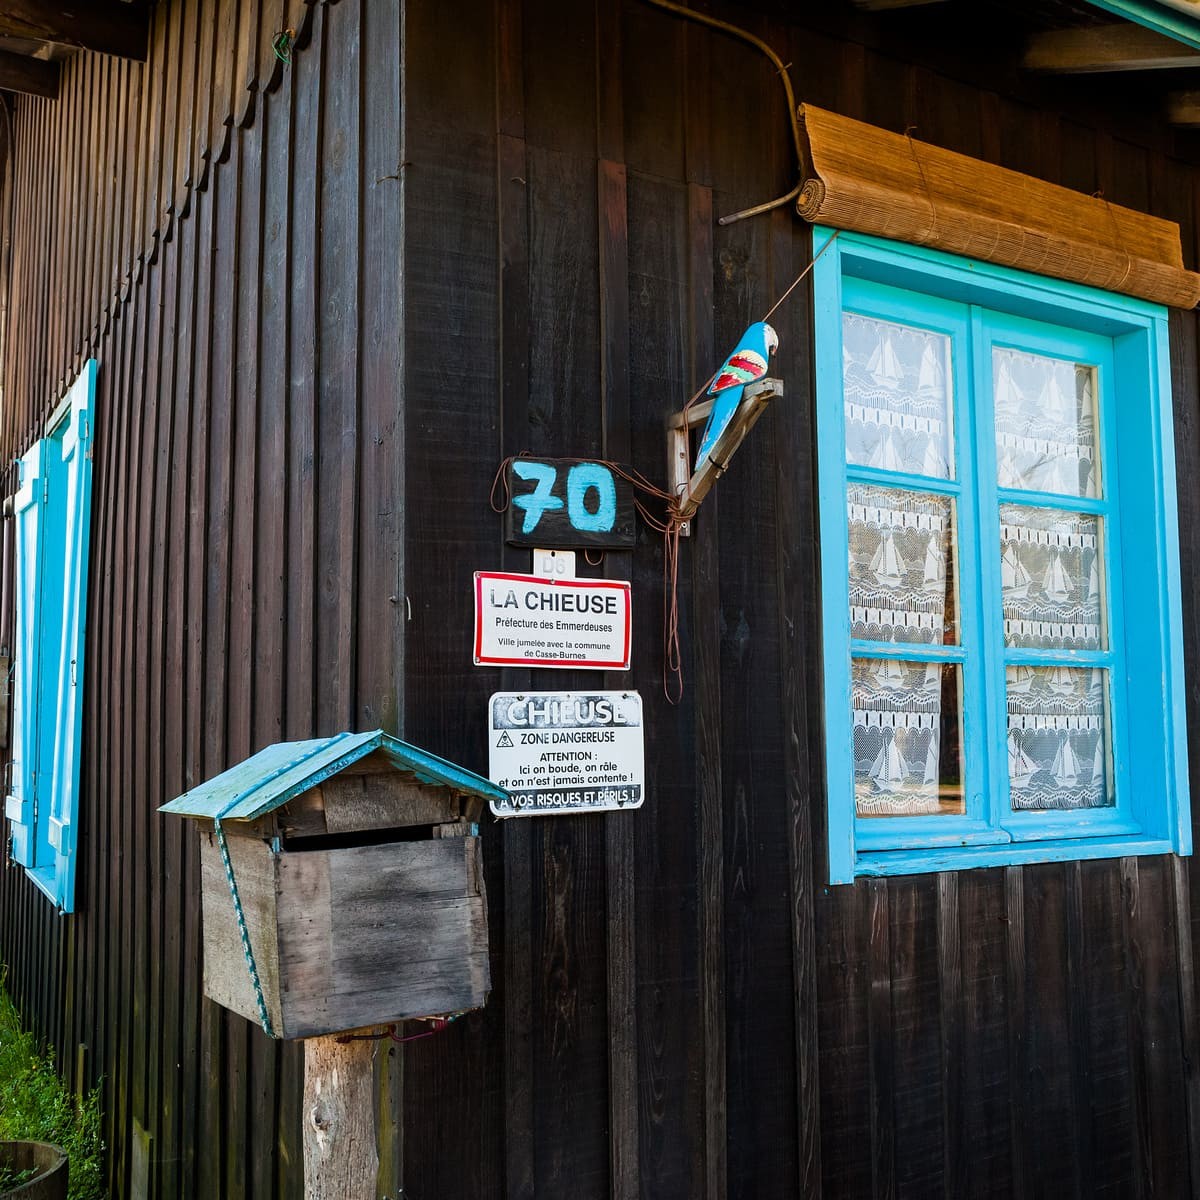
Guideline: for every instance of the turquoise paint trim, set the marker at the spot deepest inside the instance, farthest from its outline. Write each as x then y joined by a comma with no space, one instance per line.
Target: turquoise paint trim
52,594
1022,656
835,613
1075,504
53,506
1150,755
46,879
907,651
269,779
28,507
947,832
1167,21
856,473
923,862
1175,740
75,443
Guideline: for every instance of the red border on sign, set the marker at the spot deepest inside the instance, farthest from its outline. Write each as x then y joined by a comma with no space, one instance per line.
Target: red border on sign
586,664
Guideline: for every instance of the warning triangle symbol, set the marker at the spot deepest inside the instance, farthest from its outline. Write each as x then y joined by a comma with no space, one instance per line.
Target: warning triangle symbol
504,743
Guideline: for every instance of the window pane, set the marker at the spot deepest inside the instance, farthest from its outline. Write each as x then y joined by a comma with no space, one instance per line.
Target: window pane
907,738
1057,738
1045,423
902,566
896,396
1051,578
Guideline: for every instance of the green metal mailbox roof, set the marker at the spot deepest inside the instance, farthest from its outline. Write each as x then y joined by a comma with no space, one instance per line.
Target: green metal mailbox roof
272,777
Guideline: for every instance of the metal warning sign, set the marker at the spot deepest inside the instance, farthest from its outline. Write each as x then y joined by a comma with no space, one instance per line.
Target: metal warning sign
560,752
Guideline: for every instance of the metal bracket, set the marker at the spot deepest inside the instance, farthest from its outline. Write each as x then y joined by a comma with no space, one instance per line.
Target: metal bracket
691,487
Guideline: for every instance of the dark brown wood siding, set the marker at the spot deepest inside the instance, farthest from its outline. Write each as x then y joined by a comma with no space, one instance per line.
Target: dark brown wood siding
322,317
231,258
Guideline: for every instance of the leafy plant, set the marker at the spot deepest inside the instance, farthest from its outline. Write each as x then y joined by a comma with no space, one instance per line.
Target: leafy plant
36,1106
10,1179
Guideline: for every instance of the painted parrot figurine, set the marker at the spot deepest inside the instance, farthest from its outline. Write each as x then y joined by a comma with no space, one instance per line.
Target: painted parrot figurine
746,364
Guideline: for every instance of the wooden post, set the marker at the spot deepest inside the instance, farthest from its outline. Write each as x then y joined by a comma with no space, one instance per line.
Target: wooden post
340,1158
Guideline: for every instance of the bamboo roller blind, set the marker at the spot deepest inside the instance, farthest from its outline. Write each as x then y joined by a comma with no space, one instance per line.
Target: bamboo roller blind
865,179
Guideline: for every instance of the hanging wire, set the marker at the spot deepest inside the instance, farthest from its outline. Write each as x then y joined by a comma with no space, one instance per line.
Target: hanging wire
282,44
793,116
437,1025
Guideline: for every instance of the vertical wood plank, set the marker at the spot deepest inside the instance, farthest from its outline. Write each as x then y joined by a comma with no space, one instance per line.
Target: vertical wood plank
513,250
986,1081
337,382
1188,1000
1050,1115
619,827
917,1101
706,670
1155,1009
306,108
620,868
297,106
882,1080
165,903
1143,1165
798,638
381,608
950,996
1078,1031
182,1017
1014,900
199,764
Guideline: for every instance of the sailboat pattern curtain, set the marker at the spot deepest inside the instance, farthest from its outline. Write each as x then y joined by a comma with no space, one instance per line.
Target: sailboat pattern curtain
901,558
1045,423
1051,576
901,542
895,396
1056,744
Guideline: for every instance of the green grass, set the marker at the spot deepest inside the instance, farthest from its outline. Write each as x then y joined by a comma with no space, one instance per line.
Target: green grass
36,1106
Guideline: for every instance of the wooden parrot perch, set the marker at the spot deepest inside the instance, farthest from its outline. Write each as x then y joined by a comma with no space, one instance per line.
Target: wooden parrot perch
690,487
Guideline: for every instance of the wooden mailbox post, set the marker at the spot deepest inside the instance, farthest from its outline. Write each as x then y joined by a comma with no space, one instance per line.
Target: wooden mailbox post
342,889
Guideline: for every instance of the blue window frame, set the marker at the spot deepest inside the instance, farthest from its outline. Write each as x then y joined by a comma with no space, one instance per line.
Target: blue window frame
1003,677
52,512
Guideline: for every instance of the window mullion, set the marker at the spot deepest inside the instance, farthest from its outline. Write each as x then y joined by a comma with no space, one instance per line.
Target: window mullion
992,705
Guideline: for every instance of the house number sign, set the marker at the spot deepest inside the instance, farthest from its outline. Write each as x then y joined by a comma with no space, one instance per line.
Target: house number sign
566,503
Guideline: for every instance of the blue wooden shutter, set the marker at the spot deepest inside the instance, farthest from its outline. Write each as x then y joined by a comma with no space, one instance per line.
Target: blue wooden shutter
76,523
28,509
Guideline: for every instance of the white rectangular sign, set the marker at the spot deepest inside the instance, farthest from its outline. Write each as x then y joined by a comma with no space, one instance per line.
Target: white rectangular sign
560,752
528,621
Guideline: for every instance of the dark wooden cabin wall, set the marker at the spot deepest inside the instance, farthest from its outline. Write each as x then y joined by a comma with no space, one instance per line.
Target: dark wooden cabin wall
222,232
295,443
998,1032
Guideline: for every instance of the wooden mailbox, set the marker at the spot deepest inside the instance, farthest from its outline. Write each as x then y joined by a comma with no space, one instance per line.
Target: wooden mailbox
356,864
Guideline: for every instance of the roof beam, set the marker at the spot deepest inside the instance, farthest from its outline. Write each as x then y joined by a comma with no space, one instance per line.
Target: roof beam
28,75
1106,48
106,26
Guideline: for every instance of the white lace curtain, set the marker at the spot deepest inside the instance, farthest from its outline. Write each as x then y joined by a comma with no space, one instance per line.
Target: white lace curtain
901,574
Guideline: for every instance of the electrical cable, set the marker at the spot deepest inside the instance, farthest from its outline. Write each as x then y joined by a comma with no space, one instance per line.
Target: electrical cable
793,114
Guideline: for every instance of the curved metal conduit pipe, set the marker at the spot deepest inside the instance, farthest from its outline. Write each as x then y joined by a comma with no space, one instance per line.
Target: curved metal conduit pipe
746,36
